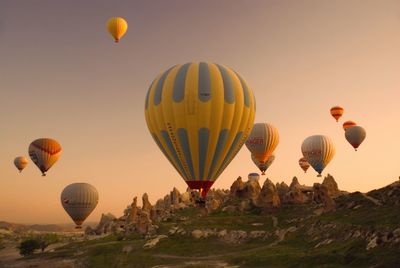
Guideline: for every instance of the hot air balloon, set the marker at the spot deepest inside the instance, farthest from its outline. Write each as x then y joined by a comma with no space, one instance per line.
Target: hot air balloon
304,164
199,114
349,124
117,27
79,200
318,150
21,162
355,136
263,166
253,176
337,112
44,153
262,141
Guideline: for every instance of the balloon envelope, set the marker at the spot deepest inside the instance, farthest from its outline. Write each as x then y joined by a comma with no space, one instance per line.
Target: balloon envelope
355,136
349,124
262,141
199,114
253,176
304,164
79,200
117,27
337,112
21,162
318,150
44,153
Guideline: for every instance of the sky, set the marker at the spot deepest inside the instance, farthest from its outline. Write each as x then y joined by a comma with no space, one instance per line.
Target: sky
62,76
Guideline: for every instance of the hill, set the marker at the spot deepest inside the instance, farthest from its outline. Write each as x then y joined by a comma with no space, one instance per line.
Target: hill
247,226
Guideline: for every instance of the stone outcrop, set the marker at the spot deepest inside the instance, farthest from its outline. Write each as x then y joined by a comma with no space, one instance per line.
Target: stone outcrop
321,196
268,196
236,187
330,184
146,205
131,212
282,189
295,194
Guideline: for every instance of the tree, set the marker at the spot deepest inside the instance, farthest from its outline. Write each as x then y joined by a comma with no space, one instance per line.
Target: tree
28,246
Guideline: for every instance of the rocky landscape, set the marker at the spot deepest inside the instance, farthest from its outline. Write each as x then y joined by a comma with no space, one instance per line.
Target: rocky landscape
249,225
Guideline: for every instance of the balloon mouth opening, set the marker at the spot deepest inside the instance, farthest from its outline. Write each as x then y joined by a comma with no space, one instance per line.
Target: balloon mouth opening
202,186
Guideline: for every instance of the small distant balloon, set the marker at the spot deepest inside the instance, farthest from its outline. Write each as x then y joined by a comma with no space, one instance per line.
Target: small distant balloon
318,150
304,164
79,200
253,176
44,153
21,162
337,112
117,27
349,124
355,136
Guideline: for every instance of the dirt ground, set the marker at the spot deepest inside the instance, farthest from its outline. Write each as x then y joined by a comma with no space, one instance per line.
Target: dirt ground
10,258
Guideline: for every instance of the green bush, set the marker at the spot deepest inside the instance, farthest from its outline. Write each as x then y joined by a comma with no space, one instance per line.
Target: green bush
28,246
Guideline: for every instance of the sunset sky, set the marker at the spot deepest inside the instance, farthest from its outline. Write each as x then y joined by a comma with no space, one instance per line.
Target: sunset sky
62,76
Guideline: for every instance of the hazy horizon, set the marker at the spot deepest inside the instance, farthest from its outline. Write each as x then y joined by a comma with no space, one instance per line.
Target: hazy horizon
63,77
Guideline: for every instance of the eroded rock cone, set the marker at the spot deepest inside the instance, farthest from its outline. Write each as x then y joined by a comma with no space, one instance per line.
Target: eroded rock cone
295,194
251,190
237,186
105,223
268,196
144,223
131,212
147,206
321,196
282,189
175,196
331,186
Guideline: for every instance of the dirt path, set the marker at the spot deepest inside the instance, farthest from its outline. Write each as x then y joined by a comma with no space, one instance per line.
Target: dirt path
373,200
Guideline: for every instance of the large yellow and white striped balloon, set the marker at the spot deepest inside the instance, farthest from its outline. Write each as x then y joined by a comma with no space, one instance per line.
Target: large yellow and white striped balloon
44,153
199,114
262,141
79,200
21,162
318,150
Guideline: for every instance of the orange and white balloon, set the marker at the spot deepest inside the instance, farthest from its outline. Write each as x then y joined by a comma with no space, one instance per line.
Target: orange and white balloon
349,124
337,112
44,153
